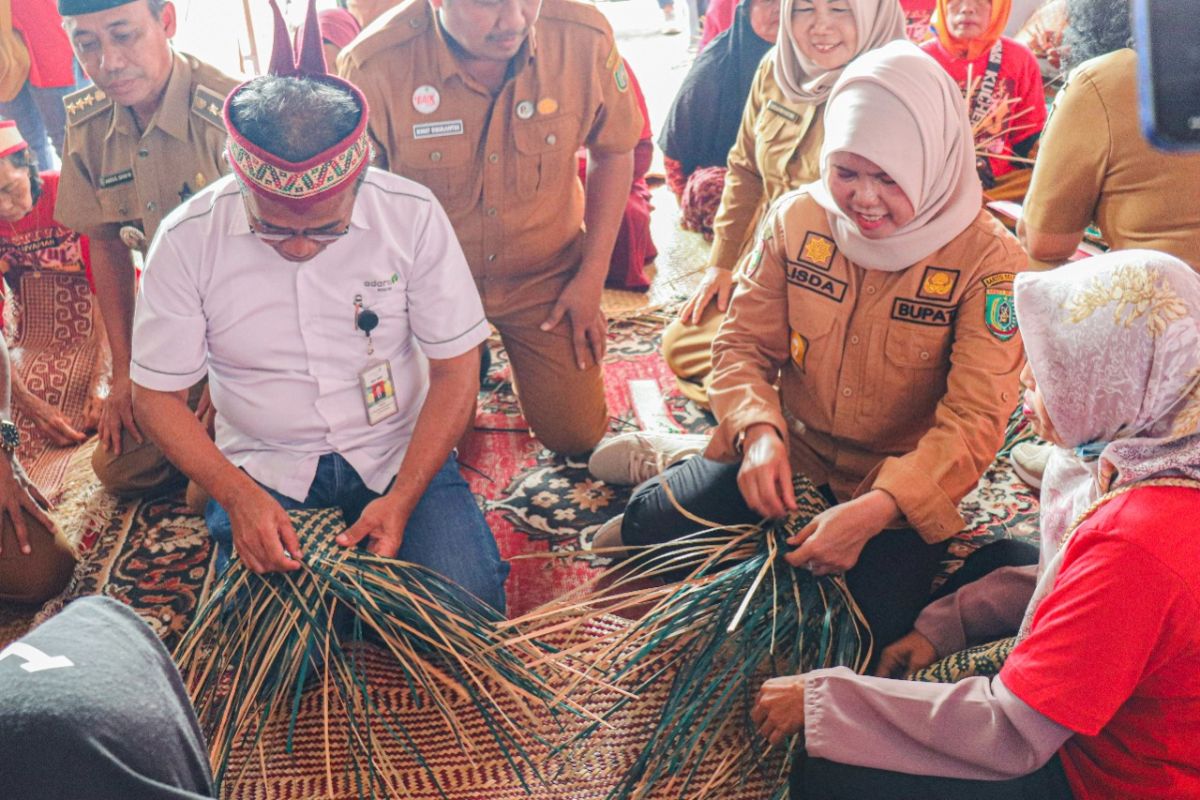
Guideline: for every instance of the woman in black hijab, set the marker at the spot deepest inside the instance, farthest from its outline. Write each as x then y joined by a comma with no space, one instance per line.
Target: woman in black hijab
703,121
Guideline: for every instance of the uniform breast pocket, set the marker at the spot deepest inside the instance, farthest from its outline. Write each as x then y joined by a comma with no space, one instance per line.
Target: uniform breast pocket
918,360
774,143
119,203
444,164
545,153
813,332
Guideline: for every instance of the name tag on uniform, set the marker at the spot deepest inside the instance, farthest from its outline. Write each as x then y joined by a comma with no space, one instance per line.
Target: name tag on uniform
783,111
431,130
379,393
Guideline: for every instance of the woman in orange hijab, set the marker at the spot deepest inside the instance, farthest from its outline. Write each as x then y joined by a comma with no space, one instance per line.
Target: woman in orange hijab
1002,83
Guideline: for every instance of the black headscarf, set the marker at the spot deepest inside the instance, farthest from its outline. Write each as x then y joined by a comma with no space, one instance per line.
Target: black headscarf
702,124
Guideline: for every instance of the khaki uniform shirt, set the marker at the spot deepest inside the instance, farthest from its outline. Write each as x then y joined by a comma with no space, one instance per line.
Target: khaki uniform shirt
504,167
113,175
778,149
902,381
1096,166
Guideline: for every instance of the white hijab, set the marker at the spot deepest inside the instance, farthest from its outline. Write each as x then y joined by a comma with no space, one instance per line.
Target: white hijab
802,81
897,107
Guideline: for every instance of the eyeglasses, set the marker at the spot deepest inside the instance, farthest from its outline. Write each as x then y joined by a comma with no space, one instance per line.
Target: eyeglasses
278,236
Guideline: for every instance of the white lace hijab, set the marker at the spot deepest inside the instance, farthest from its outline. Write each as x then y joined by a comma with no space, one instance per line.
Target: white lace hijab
1114,345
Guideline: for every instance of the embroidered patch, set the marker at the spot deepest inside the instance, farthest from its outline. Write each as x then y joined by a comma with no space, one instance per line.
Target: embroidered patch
938,284
999,313
754,259
915,311
432,130
116,179
799,348
613,58
783,111
799,275
621,77
817,251
997,278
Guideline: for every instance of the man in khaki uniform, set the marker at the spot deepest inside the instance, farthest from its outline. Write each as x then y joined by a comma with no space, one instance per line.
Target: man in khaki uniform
487,106
140,141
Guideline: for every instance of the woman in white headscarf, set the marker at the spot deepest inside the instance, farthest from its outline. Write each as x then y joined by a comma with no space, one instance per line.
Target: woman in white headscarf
777,149
870,346
1101,696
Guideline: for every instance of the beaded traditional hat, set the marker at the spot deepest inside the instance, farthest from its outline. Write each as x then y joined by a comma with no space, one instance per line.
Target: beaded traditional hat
11,139
299,184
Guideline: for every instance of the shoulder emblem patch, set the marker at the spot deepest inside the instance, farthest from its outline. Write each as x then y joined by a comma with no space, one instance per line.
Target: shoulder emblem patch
938,284
620,76
999,311
207,105
613,58
85,104
817,251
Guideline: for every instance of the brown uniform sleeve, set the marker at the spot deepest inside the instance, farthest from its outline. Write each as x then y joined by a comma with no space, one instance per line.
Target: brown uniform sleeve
368,82
617,124
743,191
981,390
752,344
1072,161
78,203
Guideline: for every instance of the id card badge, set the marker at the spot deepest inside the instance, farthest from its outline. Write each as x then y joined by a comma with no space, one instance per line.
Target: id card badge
379,392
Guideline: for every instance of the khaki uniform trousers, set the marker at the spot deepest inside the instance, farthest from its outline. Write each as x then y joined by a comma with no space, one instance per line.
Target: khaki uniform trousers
140,469
34,578
687,349
564,405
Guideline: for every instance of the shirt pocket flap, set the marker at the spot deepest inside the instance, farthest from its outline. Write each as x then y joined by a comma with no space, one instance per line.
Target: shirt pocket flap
916,347
540,136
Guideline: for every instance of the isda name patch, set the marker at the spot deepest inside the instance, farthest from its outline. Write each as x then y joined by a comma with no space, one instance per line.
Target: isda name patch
921,313
805,278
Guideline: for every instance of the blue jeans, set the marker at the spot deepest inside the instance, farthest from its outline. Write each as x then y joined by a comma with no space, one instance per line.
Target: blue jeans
446,531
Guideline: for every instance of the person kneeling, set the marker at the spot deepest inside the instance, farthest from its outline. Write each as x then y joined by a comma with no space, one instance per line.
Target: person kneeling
333,311
879,300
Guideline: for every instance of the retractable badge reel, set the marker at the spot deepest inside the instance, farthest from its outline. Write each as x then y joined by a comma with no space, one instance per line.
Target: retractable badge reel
378,389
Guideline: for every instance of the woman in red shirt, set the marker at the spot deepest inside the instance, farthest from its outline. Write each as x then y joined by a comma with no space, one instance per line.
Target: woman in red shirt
1002,82
1101,696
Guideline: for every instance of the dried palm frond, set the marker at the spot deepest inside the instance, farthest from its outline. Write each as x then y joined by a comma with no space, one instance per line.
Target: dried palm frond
741,615
259,640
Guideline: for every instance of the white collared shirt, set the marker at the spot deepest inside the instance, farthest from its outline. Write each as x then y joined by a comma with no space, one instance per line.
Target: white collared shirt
278,339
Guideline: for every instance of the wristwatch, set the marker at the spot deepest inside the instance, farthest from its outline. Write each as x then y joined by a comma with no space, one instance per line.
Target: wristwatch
10,436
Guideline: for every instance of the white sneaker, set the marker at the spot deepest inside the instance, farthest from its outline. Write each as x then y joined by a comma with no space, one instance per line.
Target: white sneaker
1029,461
631,458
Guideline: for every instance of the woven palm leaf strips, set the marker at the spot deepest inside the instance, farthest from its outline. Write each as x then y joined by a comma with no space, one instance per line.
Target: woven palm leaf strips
259,640
741,615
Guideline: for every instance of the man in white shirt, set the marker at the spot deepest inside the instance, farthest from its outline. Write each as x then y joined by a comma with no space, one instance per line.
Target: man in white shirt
333,311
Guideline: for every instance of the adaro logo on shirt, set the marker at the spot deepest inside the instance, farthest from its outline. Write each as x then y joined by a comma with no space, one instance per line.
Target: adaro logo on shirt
383,285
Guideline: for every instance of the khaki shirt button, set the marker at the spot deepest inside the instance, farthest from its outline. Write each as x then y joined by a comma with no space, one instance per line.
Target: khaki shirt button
123,211
491,257
436,155
143,153
493,158
854,339
870,290
551,139
924,355
846,392
414,23
491,212
151,206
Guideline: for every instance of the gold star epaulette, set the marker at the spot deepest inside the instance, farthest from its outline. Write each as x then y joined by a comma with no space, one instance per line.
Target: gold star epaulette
85,104
207,105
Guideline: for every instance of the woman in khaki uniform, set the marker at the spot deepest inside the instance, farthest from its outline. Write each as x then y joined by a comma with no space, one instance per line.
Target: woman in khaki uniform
776,151
879,302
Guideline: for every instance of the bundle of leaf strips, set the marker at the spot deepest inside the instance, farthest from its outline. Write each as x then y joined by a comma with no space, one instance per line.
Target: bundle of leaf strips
260,639
742,614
